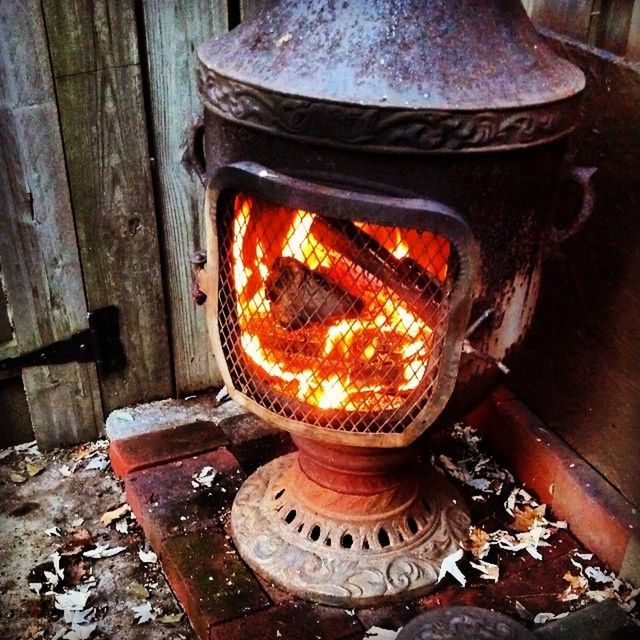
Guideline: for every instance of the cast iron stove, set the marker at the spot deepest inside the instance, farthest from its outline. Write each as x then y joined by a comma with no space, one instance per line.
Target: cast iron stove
379,175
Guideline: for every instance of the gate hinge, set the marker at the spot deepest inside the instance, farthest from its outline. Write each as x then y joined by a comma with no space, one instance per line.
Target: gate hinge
100,343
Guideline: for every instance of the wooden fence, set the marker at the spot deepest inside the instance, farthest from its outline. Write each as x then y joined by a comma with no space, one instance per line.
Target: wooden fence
95,97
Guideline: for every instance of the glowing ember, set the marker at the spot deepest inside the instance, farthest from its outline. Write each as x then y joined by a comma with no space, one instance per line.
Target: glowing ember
322,326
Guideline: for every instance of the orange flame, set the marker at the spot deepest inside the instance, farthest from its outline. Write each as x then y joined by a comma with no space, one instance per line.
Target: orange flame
371,362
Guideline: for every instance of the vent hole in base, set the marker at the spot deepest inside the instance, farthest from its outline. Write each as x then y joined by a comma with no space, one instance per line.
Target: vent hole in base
315,533
279,494
383,538
291,516
346,542
412,524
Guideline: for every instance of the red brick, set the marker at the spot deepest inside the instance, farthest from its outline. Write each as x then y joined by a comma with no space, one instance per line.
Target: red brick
537,589
210,580
159,447
597,514
294,621
166,503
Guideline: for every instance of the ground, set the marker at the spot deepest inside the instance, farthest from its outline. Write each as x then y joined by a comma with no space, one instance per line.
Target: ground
60,495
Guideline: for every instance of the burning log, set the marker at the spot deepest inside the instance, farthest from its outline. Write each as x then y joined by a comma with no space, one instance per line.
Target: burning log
406,277
301,297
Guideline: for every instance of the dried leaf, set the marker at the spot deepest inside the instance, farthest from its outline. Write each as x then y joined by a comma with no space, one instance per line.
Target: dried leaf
97,463
578,585
137,591
601,595
148,557
80,632
378,633
53,532
34,468
103,551
143,613
488,570
17,478
108,517
598,575
528,517
204,478
75,543
122,526
478,542
449,566
65,471
75,600
171,618
542,618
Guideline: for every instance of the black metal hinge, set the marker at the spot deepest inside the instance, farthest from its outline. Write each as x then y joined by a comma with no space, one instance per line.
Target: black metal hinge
100,343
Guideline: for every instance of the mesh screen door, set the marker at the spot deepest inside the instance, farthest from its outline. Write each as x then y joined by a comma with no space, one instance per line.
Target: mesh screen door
329,317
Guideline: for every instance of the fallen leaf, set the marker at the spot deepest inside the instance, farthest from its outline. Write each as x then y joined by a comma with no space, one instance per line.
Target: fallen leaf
65,471
34,468
578,585
103,551
379,633
542,618
204,477
137,591
143,613
598,575
488,570
75,543
171,618
601,595
97,463
449,566
108,517
75,600
17,478
478,542
148,557
528,517
53,532
80,632
122,526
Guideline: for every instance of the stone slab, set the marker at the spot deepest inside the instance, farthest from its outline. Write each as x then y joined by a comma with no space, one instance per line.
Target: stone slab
164,414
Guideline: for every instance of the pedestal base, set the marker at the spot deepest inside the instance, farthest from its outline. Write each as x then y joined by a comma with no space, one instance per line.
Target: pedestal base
347,549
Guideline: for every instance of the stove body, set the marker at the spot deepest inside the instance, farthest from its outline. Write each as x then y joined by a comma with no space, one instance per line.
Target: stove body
379,175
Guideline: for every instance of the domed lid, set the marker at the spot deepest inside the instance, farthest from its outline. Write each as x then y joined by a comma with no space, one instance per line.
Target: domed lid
391,55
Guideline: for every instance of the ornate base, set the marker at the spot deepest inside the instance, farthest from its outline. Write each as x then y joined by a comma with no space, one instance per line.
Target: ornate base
359,548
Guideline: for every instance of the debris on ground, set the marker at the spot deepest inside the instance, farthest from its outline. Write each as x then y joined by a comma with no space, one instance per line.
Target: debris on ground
528,528
83,563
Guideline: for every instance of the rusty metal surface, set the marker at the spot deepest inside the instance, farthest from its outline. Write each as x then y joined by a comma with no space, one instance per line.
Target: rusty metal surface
393,75
393,418
461,55
464,623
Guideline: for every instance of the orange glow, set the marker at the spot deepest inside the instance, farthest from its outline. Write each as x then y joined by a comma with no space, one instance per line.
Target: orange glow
368,360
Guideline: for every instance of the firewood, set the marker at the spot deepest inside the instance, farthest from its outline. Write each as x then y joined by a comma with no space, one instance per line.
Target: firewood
301,297
406,277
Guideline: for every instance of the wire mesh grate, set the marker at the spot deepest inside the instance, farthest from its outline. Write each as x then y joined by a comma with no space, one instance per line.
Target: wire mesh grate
338,324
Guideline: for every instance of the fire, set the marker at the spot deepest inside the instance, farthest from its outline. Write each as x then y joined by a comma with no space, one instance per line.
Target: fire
316,323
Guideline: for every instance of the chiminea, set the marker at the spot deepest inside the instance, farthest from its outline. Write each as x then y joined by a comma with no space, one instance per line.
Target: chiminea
380,175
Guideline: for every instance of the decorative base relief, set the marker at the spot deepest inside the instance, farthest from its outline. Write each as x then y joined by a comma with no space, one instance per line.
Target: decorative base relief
346,549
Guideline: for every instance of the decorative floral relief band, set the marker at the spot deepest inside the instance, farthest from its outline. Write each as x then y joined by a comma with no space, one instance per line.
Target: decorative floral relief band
371,128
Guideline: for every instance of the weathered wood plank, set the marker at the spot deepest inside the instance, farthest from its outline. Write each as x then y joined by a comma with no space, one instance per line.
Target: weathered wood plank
248,7
633,44
173,31
38,249
105,137
613,25
568,17
90,35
